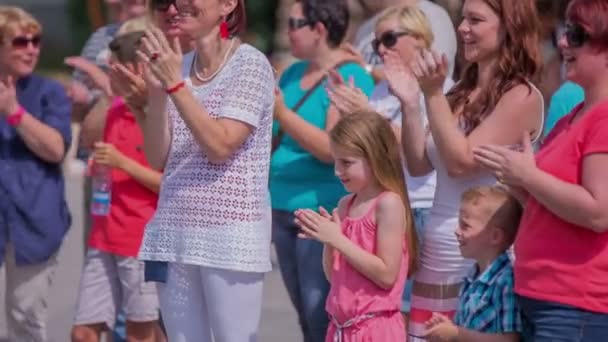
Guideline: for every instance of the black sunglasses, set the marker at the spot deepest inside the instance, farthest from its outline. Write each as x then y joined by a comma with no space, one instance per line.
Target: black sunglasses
23,42
388,39
297,23
163,5
576,36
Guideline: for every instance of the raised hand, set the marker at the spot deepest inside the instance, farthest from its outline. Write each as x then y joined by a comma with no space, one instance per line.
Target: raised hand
8,97
99,78
128,82
402,82
345,96
162,60
431,71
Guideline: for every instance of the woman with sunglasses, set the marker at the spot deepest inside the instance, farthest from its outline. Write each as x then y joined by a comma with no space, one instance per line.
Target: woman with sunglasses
34,138
561,265
301,172
209,127
494,103
403,32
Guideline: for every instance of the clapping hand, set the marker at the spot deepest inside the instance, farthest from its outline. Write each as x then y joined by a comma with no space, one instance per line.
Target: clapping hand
431,70
94,73
320,226
402,82
345,96
511,167
163,60
8,97
128,81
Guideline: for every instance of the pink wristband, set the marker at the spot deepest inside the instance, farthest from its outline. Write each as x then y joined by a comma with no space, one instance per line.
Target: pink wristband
15,118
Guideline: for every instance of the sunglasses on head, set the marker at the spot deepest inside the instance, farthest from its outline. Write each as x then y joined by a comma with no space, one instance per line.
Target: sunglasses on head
388,39
297,23
576,36
23,42
163,5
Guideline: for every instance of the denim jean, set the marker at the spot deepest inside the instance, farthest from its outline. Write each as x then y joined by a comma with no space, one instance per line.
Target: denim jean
552,322
420,216
301,266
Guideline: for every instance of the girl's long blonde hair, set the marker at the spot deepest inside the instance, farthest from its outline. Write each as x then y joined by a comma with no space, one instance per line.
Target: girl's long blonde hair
368,135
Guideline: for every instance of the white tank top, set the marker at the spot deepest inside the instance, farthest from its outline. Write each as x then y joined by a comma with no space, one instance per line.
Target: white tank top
440,252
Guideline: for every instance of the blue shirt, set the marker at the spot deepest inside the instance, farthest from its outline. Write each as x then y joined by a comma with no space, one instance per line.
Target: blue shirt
561,104
34,215
298,179
487,301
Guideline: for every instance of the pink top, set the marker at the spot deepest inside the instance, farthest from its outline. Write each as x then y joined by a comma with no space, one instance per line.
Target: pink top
556,260
352,294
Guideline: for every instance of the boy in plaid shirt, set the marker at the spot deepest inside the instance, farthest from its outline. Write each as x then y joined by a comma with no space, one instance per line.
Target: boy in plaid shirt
489,218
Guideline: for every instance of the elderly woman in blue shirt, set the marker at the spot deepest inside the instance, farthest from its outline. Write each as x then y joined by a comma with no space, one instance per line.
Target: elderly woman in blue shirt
34,137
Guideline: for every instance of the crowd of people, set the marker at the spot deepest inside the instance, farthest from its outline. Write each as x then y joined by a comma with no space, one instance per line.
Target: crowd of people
429,180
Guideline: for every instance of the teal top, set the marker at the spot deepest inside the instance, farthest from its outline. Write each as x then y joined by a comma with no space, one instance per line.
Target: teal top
297,178
562,102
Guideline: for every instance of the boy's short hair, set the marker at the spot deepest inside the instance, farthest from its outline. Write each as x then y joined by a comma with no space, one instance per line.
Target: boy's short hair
128,39
505,210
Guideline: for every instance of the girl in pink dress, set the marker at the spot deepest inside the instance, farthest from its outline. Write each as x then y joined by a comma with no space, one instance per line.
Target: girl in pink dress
370,242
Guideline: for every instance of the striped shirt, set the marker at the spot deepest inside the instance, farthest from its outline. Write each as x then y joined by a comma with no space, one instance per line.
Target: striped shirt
487,301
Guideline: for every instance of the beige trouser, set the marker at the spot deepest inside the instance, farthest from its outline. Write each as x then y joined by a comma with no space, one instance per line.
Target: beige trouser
27,290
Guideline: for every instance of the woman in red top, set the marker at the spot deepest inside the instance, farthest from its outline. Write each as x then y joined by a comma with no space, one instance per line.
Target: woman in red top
561,266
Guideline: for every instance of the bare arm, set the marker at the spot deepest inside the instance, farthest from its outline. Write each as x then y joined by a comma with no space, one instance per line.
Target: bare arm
309,137
328,261
583,205
381,268
43,140
405,87
156,129
517,111
145,176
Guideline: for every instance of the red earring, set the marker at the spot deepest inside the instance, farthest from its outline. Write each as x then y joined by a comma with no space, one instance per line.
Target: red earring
224,33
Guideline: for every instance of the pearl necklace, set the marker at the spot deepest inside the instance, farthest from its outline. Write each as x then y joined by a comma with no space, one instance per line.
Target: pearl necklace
207,79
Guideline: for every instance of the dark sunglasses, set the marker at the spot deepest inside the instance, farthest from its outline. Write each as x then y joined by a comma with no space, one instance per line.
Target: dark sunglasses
163,5
23,42
576,36
388,39
297,23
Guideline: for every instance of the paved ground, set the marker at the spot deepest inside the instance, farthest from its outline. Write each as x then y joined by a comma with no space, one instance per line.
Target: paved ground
279,322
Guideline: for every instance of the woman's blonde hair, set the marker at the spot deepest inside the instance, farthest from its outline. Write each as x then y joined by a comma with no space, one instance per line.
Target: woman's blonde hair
411,19
141,23
13,19
368,135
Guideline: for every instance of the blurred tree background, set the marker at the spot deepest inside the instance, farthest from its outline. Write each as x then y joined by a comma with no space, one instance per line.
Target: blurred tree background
261,23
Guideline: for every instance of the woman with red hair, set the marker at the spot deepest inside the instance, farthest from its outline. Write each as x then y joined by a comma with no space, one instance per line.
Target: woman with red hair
494,103
561,267
208,125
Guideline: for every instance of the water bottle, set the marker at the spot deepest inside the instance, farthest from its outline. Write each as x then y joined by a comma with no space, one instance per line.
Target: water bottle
102,190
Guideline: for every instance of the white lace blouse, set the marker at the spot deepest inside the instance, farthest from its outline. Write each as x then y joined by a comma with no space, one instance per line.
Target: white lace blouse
218,215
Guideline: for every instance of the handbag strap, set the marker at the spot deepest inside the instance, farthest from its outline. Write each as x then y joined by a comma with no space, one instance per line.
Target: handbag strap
303,99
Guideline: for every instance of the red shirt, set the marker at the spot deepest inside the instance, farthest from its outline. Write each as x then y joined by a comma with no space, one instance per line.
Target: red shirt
132,205
555,260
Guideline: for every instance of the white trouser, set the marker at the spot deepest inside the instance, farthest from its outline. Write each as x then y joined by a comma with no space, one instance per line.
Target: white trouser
200,302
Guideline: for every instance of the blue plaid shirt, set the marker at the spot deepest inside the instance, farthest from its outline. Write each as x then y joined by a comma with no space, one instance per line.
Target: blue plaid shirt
487,301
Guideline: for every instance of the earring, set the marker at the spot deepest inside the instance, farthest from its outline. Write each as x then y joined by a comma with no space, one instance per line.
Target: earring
224,33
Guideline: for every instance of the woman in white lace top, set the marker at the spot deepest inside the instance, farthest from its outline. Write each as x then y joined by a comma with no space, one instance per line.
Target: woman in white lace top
209,127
